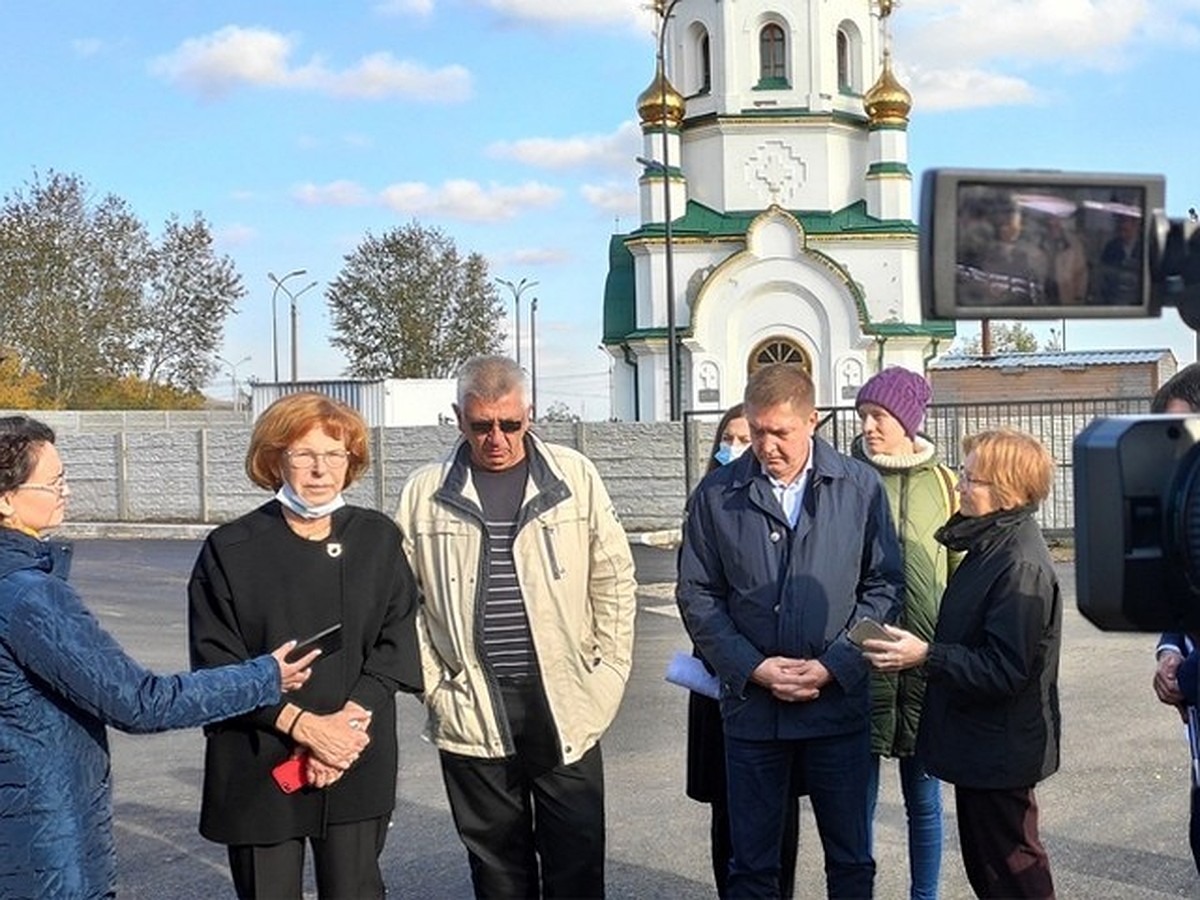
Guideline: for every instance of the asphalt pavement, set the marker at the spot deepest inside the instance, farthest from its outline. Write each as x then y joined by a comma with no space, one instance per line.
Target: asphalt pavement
1114,819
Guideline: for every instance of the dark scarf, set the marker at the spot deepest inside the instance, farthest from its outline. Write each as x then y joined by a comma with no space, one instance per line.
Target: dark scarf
967,532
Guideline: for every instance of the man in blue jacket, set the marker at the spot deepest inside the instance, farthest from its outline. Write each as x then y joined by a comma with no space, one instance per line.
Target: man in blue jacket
782,552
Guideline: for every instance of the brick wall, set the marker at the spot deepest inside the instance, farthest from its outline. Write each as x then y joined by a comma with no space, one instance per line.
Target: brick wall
983,385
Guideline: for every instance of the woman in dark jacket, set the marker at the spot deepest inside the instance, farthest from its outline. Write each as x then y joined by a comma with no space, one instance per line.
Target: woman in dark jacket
991,720
63,678
299,564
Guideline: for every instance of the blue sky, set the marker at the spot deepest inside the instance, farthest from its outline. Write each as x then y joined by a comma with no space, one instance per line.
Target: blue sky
295,127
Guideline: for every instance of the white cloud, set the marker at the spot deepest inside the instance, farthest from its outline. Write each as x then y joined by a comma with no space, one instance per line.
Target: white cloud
971,32
379,75
405,7
455,199
215,64
87,46
574,12
235,235
615,198
936,90
336,193
614,151
533,256
469,201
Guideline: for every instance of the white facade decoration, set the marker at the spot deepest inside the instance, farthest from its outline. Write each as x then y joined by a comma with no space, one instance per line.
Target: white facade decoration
791,210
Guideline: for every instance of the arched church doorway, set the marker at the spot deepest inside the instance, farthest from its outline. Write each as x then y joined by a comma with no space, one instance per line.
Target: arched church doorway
778,350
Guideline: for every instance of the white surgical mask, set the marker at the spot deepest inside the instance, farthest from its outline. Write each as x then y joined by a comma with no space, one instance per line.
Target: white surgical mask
293,501
729,452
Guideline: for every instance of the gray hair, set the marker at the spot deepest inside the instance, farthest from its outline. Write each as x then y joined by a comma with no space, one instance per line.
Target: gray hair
488,378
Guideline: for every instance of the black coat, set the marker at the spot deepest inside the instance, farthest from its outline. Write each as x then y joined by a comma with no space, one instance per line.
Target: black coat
991,719
255,586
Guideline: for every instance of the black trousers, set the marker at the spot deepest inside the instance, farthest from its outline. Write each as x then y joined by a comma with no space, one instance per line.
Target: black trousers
529,811
722,848
1001,850
346,863
1194,827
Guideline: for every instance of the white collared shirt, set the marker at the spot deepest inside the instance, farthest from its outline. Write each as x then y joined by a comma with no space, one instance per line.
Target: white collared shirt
790,496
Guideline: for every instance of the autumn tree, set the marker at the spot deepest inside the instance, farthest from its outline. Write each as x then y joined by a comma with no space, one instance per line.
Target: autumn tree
1014,338
71,276
189,294
20,386
94,306
408,305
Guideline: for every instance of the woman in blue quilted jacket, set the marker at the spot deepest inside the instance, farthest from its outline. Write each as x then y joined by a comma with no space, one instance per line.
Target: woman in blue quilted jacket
63,679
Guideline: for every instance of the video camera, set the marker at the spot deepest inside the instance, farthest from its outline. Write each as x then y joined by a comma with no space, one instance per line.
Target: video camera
1057,245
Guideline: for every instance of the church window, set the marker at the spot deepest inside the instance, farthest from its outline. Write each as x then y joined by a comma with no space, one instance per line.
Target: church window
772,49
843,62
849,59
779,350
705,64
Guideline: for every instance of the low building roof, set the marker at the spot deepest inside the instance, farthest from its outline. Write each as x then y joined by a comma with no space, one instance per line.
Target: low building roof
1056,359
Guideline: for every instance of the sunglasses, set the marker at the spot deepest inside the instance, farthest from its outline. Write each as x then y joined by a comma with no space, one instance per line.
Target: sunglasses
508,426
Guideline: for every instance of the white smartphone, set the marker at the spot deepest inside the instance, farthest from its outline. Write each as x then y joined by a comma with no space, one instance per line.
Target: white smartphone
867,630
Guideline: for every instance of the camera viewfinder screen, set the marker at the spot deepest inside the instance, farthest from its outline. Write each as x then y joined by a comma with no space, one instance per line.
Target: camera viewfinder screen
1056,245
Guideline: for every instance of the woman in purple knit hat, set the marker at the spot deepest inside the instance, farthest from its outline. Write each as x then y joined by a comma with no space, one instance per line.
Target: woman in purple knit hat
891,407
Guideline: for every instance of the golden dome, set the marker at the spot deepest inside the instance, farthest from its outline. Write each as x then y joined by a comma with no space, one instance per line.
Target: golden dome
887,102
650,104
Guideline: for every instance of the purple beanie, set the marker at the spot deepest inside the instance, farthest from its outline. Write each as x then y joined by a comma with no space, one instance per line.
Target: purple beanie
902,393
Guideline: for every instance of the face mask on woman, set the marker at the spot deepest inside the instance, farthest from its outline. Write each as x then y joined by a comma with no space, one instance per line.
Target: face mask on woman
729,452
293,501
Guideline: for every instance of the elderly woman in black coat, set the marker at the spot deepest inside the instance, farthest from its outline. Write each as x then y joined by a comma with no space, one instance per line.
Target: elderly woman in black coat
299,564
991,722
63,679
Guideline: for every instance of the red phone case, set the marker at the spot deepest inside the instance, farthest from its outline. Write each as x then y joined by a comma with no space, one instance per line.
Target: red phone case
291,774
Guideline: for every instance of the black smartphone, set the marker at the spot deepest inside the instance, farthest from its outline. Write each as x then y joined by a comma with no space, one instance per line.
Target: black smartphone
327,640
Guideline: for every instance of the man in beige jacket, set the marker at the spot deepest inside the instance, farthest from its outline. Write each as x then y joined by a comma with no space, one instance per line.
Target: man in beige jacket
526,632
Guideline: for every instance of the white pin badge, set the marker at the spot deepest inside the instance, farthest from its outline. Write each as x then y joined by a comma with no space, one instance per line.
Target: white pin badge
334,550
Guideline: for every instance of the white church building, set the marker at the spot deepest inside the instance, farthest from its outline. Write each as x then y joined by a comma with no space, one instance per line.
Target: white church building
792,234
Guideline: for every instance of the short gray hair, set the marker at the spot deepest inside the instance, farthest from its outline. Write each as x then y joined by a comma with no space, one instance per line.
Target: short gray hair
488,378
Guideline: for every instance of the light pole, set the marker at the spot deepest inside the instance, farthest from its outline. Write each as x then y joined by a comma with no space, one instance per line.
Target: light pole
517,289
233,379
533,357
663,9
278,282
292,298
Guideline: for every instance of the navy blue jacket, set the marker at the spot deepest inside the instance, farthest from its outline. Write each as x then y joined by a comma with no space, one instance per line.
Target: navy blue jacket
751,587
62,679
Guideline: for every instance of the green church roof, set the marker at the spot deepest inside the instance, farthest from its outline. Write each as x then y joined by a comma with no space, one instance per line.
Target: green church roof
620,317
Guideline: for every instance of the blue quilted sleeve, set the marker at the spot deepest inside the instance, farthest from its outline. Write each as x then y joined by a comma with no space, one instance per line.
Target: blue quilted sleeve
53,635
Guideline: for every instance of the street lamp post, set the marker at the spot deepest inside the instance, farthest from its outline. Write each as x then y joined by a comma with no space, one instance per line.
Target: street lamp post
663,9
278,282
517,289
233,379
292,298
533,356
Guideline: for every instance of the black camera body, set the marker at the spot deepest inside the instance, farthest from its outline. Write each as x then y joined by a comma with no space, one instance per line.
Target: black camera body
1056,245
1137,519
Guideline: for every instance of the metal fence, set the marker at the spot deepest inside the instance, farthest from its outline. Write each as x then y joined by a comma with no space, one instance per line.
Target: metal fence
1053,422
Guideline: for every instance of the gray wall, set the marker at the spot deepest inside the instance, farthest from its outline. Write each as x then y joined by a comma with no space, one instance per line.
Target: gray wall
158,470
197,474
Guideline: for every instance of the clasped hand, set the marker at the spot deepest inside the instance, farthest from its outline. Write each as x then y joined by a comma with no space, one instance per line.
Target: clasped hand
335,740
791,680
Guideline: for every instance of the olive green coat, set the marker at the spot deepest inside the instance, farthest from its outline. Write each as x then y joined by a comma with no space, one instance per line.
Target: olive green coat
920,492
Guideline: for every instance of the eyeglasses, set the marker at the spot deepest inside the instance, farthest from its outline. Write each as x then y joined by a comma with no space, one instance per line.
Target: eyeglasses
306,459
508,426
966,478
56,486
